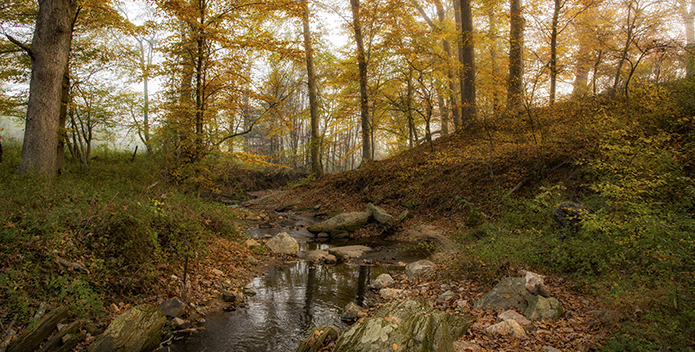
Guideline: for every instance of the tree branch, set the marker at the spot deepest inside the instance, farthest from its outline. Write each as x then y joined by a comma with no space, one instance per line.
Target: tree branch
21,45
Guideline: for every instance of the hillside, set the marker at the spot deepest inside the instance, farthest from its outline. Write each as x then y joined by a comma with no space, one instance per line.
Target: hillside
494,186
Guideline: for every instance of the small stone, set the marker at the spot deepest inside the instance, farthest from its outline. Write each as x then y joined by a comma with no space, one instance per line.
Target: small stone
462,305
512,315
540,308
251,243
233,296
389,293
551,349
382,281
251,260
419,268
217,272
507,327
330,259
177,322
322,235
445,296
249,291
283,243
534,283
351,312
465,346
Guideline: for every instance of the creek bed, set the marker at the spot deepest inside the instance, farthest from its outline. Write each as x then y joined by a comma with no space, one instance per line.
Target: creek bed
293,298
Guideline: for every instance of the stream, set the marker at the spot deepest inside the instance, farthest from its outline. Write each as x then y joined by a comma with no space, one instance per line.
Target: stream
293,298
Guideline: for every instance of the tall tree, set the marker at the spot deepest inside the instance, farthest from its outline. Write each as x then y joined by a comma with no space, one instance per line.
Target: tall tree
362,67
49,52
468,103
315,143
687,10
516,60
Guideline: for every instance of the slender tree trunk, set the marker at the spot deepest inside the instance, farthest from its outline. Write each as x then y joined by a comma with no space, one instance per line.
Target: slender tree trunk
494,65
49,52
458,125
468,103
315,143
583,62
626,49
516,61
362,66
450,72
553,51
64,100
688,14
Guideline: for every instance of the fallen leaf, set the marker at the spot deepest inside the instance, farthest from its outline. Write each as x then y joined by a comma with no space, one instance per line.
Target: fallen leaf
395,347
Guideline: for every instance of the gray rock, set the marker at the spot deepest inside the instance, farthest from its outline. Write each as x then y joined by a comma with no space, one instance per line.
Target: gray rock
512,315
507,327
445,296
340,235
540,308
233,296
408,326
248,291
390,293
330,259
317,338
342,222
252,260
251,243
380,215
535,284
466,346
419,268
283,243
352,312
137,330
569,214
177,322
173,307
382,281
316,255
30,340
510,292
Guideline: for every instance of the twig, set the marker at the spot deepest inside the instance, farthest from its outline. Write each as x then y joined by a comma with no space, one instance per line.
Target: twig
9,334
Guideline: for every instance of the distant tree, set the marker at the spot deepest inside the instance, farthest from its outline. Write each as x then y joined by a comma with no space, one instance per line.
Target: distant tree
516,61
315,144
362,67
468,96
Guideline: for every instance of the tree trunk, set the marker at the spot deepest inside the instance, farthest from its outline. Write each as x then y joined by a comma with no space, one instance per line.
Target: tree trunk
553,51
315,143
50,49
583,63
626,49
516,61
362,66
468,104
450,72
688,14
494,65
458,125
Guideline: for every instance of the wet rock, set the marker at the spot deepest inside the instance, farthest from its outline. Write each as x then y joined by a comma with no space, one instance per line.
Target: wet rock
352,312
317,338
512,315
510,292
30,340
340,235
248,291
316,255
137,330
569,214
233,297
380,215
342,222
173,307
540,308
507,327
402,326
330,259
445,296
283,243
390,294
382,281
419,268
347,252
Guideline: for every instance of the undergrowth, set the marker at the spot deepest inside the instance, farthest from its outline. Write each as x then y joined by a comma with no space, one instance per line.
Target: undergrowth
636,248
121,222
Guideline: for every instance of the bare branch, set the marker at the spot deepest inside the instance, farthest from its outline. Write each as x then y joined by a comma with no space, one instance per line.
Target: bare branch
21,45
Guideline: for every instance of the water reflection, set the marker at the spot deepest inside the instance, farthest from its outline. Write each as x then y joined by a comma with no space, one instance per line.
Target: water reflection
290,301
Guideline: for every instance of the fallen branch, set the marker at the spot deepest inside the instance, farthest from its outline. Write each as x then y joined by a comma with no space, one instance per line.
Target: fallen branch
9,334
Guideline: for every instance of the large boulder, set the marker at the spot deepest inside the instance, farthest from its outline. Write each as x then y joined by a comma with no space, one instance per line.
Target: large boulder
380,215
137,330
510,292
342,222
283,243
419,268
540,308
403,326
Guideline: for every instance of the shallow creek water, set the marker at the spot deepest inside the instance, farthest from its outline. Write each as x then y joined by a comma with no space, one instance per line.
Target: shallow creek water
292,299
